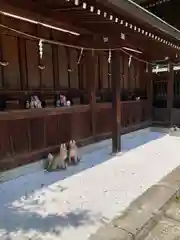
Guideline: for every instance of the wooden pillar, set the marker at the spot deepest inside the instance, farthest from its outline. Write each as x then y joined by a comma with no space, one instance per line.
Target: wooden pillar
55,67
150,91
116,102
22,63
170,91
91,82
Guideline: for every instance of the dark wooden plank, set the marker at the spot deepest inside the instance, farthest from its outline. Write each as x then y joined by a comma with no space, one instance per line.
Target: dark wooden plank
104,71
19,135
52,131
47,73
63,67
5,144
116,103
37,136
126,72
139,67
81,125
132,75
65,133
96,71
122,70
149,88
23,63
73,58
32,64
103,118
82,73
11,55
55,67
1,58
90,66
99,71
170,91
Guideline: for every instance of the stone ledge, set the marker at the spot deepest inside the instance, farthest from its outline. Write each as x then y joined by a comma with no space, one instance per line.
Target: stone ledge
160,129
172,180
173,211
144,213
166,228
109,232
144,209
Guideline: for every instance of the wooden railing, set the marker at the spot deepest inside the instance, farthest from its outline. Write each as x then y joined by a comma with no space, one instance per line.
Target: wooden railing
30,134
134,112
27,135
103,118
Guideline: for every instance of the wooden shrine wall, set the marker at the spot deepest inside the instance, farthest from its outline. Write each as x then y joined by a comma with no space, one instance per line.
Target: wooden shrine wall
61,68
160,111
27,135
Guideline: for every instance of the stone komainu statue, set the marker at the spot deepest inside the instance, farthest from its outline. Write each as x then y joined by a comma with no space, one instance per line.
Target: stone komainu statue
73,153
58,161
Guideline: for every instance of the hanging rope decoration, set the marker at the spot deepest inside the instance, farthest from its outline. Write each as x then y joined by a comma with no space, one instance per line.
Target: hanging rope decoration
80,56
41,48
40,66
109,58
41,41
69,45
157,68
130,59
3,63
169,68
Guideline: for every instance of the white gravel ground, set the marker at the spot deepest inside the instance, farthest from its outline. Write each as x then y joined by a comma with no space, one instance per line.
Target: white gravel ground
73,204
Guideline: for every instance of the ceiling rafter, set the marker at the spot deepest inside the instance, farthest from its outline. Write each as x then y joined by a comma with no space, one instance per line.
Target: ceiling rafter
82,17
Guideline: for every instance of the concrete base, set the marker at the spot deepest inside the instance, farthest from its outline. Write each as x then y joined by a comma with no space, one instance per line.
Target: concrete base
76,203
160,129
154,215
21,171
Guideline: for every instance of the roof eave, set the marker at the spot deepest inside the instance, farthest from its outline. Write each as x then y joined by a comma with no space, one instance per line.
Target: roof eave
139,13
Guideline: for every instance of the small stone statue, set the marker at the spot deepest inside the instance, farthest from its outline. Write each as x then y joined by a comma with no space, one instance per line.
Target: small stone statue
175,128
73,153
27,105
32,102
59,161
68,103
35,102
62,100
175,131
58,103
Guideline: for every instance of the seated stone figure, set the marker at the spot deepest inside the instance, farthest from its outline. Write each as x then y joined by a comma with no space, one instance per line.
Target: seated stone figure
35,102
58,161
74,157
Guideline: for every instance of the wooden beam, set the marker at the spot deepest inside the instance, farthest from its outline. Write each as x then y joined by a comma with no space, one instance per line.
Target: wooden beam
90,73
170,91
150,90
55,67
116,102
77,22
22,63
